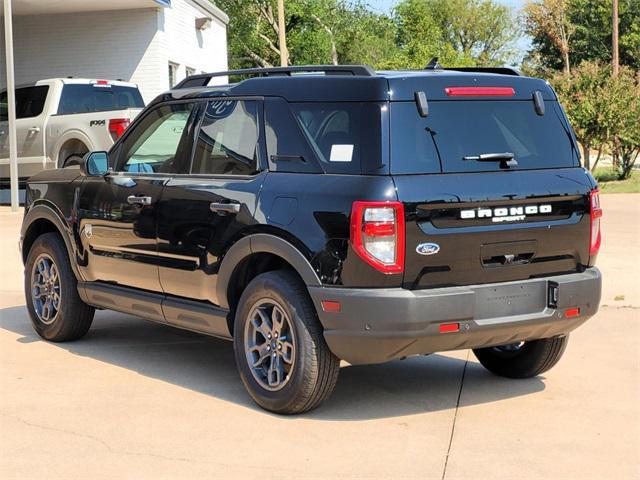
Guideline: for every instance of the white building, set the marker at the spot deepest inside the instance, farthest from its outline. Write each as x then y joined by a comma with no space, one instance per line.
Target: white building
153,43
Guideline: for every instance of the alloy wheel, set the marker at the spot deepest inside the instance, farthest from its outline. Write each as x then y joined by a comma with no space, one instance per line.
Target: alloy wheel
45,289
269,344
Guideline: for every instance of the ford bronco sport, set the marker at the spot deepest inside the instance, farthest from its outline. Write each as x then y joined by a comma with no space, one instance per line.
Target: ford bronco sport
326,213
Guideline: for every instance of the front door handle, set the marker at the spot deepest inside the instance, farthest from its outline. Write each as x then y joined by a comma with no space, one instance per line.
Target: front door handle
134,200
224,208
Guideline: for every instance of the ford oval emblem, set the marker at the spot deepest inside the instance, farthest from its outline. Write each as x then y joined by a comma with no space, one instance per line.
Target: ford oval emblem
428,248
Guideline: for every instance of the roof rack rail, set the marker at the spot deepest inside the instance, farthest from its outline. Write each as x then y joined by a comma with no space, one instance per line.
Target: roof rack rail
499,70
202,79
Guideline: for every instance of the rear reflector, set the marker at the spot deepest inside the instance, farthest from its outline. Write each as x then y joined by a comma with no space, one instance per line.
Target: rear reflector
572,312
117,126
480,91
330,306
449,327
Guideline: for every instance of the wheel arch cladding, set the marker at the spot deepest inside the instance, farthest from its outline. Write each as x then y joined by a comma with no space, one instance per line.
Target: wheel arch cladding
257,254
41,219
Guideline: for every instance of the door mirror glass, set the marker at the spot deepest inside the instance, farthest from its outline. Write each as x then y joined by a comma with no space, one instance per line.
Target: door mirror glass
95,164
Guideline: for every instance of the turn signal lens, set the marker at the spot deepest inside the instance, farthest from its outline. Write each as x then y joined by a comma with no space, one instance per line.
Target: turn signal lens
377,234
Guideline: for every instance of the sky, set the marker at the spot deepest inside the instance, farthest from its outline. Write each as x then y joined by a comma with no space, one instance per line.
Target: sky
385,6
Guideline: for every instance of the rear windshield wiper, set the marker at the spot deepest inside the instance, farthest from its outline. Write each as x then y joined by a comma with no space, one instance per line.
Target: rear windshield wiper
506,159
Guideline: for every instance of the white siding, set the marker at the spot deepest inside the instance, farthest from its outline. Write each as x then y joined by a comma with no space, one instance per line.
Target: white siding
134,45
181,43
112,44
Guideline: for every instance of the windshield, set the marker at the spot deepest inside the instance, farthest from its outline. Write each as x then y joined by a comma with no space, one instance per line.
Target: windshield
461,136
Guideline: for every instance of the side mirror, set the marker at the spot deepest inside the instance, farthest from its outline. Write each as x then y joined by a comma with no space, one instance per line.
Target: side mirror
94,164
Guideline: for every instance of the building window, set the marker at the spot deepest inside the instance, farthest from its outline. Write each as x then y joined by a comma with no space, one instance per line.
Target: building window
190,71
173,74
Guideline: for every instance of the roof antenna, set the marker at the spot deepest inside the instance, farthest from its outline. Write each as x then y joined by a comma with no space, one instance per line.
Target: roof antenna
433,64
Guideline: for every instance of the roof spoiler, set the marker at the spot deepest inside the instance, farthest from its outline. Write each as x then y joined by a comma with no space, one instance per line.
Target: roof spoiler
203,79
434,65
498,70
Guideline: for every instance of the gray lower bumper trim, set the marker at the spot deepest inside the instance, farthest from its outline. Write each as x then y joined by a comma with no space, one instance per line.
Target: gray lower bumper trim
377,325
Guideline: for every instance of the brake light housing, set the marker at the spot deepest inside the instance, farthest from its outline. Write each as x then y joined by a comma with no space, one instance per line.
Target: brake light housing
480,91
595,237
378,234
117,126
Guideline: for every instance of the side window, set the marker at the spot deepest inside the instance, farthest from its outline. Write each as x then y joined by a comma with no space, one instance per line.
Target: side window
29,102
157,141
227,142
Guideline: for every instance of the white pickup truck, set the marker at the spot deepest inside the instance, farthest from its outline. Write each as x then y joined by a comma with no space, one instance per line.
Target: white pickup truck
59,120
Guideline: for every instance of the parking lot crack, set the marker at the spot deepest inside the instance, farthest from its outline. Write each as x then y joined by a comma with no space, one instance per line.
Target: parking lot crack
455,417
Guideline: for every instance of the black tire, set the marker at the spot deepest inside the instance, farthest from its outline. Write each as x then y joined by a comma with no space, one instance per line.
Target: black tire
72,160
530,359
315,369
73,317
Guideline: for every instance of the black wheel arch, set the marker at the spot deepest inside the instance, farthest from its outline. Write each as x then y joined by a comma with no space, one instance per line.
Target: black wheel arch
274,251
43,218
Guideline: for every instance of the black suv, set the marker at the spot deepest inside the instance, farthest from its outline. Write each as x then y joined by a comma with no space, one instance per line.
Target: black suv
313,214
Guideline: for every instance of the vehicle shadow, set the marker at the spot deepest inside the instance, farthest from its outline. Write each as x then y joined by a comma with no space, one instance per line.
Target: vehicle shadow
206,365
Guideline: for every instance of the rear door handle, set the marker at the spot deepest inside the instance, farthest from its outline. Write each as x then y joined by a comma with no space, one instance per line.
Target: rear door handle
34,130
134,200
224,208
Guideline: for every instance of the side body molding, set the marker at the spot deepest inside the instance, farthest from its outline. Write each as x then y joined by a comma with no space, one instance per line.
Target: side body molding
44,211
262,243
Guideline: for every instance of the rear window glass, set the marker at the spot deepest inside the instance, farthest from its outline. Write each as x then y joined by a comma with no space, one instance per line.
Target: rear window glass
29,102
345,137
86,98
454,130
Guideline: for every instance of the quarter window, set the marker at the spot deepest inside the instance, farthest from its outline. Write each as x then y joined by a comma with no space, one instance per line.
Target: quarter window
29,102
227,142
157,141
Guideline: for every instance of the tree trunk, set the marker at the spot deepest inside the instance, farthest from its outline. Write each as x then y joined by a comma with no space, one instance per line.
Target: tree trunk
282,38
615,58
586,149
565,61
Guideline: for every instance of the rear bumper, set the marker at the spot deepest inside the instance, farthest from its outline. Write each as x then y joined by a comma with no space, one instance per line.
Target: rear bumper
377,325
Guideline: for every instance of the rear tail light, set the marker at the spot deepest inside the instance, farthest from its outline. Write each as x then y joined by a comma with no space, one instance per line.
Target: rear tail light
117,126
596,213
480,91
377,234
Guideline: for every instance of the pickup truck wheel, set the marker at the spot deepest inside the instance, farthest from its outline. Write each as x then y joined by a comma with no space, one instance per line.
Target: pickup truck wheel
281,354
71,160
56,310
524,359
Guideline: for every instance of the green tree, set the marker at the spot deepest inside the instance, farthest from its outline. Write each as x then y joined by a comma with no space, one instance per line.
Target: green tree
318,32
604,112
590,27
458,32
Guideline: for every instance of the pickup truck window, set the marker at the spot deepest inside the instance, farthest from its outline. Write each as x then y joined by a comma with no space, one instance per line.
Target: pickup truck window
228,139
86,98
29,102
152,146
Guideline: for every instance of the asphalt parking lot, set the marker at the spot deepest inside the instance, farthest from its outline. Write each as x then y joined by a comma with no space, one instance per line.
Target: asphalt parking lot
138,400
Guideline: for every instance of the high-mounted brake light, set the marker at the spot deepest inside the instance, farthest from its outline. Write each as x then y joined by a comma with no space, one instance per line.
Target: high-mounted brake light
377,234
117,126
479,91
596,212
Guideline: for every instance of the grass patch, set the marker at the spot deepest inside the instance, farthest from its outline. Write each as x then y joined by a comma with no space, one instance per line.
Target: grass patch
608,181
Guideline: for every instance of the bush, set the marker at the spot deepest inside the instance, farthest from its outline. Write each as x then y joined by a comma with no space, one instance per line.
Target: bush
604,111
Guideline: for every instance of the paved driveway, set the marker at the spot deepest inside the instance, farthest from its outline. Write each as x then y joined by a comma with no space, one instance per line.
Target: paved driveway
139,400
